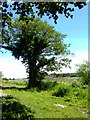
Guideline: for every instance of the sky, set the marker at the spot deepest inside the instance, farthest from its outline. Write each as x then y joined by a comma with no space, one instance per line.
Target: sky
77,35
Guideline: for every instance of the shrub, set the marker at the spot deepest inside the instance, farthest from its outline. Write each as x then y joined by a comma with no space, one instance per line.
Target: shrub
14,110
76,84
61,90
81,94
5,79
47,85
83,72
84,86
73,75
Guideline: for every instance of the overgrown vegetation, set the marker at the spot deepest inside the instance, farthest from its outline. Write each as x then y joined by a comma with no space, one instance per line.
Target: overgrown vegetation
61,90
43,103
40,46
83,72
13,109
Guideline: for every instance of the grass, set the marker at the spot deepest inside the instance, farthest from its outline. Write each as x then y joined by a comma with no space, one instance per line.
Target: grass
43,103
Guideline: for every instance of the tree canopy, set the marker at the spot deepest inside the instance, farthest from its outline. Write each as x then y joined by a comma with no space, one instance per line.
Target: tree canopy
10,10
41,48
49,9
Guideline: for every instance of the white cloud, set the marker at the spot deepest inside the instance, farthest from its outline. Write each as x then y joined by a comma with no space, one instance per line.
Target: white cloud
78,58
13,68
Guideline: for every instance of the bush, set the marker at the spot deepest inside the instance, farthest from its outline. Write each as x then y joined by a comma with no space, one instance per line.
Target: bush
61,90
47,85
73,75
5,79
76,84
81,94
83,72
14,110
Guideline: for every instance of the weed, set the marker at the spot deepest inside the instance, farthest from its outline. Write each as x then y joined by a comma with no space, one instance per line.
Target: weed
76,84
81,94
61,90
42,102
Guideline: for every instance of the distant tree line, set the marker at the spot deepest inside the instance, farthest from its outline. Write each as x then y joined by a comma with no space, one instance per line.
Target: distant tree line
8,78
64,74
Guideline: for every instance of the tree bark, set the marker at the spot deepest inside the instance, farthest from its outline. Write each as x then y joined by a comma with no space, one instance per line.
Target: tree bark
32,74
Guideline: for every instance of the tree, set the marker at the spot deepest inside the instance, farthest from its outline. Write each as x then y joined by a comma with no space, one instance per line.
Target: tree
41,48
83,72
21,10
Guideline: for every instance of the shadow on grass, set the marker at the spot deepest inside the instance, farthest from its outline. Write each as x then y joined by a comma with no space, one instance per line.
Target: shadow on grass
42,86
12,109
25,88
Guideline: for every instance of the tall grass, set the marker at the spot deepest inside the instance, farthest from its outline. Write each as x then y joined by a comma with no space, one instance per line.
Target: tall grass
43,101
61,90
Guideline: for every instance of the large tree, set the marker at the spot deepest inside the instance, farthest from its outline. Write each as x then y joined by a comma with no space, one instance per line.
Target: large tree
17,43
41,48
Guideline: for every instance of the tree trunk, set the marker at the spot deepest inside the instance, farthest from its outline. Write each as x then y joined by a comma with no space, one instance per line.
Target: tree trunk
32,79
32,74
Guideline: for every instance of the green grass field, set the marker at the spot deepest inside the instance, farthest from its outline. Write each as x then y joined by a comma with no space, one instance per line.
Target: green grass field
48,103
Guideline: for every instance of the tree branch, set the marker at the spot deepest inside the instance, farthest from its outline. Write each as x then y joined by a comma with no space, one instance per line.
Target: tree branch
7,47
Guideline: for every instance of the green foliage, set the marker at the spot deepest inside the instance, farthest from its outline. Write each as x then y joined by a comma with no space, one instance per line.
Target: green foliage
75,84
5,78
41,48
35,41
79,91
64,75
61,90
14,83
49,9
44,104
14,110
73,74
81,94
83,72
47,85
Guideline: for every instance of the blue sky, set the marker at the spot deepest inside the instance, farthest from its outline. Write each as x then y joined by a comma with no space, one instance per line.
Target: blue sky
76,28
77,35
